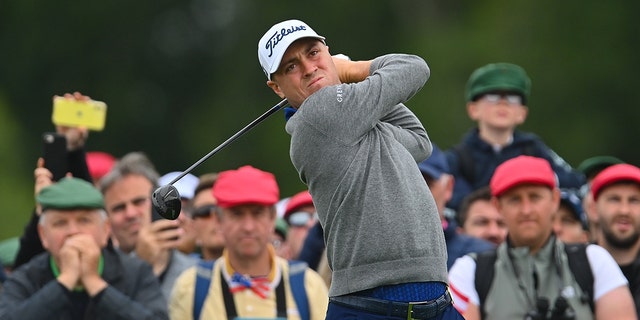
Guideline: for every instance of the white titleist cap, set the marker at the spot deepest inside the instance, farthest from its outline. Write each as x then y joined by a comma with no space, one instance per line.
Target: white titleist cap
275,42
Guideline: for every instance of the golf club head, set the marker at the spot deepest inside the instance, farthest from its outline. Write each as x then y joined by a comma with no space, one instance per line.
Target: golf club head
166,201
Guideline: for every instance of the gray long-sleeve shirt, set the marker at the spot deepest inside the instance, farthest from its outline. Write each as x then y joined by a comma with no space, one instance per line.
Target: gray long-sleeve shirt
356,146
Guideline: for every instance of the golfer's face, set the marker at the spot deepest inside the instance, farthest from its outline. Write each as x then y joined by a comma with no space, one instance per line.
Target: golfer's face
306,67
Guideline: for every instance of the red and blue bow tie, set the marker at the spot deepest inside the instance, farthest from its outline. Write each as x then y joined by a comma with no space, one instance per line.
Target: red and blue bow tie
259,285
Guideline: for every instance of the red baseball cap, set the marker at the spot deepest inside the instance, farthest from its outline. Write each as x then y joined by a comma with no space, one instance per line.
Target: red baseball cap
613,174
247,185
521,170
298,200
99,163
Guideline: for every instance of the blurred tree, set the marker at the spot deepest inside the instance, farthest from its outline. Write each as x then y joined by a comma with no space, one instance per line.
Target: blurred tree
16,186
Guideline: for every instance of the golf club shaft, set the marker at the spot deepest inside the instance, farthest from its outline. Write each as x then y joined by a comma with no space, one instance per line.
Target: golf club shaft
248,127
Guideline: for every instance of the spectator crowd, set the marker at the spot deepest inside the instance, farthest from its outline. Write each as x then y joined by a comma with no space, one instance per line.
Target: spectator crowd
526,235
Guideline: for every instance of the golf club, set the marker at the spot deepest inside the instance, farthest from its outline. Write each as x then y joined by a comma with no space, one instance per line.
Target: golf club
166,199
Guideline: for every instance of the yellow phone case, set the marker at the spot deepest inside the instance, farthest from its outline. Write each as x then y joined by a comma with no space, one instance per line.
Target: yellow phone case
90,114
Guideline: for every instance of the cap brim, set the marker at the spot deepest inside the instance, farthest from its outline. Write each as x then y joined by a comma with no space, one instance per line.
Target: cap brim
278,55
432,173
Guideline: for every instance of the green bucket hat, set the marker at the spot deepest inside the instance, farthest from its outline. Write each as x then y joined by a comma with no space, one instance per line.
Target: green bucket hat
498,77
70,193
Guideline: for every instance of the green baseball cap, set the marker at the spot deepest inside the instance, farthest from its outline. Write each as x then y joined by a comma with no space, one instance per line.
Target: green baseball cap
70,193
592,166
498,77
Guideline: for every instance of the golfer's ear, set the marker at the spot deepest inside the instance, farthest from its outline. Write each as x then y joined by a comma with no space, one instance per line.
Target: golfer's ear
274,86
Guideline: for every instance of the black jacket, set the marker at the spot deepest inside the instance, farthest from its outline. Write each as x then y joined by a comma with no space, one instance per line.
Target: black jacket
473,161
32,292
632,273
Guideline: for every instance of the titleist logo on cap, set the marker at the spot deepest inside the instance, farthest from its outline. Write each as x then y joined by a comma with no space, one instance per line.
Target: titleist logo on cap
279,35
274,43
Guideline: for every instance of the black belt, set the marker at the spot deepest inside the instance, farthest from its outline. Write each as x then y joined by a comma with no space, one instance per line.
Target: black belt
404,310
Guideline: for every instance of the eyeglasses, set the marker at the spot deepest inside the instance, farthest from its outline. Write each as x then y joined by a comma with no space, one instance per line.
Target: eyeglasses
496,97
300,218
203,211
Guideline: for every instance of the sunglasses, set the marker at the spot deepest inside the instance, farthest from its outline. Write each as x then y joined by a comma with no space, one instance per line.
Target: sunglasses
496,97
203,211
300,218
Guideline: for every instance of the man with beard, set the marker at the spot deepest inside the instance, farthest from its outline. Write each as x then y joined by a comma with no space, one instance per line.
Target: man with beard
532,274
616,194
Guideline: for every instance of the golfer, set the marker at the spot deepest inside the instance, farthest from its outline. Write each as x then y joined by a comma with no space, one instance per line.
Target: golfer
356,145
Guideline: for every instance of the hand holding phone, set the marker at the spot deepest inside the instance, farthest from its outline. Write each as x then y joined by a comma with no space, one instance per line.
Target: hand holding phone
54,153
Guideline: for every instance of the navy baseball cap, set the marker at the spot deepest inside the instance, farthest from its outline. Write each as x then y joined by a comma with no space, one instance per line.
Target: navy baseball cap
571,199
435,165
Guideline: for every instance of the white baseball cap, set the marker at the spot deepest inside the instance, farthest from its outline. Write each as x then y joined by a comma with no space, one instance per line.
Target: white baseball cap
275,42
186,185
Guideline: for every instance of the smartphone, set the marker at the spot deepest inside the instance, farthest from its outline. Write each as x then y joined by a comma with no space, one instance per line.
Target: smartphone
54,153
155,216
90,114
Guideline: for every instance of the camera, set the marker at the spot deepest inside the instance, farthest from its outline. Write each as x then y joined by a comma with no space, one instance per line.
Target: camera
561,310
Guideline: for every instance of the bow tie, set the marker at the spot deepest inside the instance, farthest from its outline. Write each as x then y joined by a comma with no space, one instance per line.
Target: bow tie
259,285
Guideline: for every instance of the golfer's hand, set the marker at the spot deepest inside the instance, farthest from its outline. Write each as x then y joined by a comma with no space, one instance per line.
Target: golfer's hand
351,71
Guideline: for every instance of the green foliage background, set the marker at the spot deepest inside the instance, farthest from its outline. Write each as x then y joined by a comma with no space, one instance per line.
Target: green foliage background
180,77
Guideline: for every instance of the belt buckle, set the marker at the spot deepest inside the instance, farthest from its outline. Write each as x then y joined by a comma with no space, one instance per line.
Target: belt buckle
410,308
410,312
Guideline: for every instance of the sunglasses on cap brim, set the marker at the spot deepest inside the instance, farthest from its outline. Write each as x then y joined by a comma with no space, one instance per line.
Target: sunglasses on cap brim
300,218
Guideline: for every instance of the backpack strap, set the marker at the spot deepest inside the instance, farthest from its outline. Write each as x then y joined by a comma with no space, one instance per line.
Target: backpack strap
297,271
578,263
465,162
204,268
581,269
485,269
